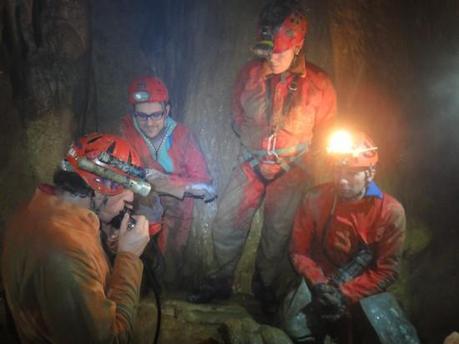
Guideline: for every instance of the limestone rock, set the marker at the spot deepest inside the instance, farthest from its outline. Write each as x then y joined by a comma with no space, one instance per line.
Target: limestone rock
205,314
248,331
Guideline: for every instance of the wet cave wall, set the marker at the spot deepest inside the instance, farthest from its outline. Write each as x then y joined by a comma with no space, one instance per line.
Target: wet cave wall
65,67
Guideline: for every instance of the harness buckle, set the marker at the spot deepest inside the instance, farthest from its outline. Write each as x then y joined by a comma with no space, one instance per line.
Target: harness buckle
271,149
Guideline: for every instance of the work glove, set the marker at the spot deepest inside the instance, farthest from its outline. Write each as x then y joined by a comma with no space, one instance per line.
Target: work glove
165,184
329,302
201,190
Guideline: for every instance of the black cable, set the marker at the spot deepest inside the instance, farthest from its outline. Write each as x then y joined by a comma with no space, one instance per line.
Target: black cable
152,264
158,316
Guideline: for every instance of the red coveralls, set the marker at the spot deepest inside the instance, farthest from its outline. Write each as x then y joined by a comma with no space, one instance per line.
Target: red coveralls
377,220
189,167
298,105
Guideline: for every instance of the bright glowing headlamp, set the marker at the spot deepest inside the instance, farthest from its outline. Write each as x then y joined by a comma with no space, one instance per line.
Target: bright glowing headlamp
354,149
340,143
141,96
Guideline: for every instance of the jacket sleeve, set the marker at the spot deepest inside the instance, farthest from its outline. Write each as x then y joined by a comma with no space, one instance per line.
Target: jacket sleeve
194,161
303,239
315,160
388,251
193,166
237,110
326,114
78,308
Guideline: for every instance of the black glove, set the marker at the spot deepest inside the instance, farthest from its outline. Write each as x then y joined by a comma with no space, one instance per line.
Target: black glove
329,302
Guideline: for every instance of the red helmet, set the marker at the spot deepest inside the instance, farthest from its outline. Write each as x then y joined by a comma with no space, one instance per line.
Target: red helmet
282,26
147,89
91,146
291,32
352,150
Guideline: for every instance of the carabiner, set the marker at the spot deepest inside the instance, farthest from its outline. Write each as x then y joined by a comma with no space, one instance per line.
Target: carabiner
271,149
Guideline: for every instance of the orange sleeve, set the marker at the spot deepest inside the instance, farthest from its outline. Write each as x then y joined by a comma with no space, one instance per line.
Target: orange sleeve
239,85
76,307
388,252
304,235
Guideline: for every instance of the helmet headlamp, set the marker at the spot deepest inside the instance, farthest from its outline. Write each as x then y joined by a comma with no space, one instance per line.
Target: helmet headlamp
354,150
141,96
264,47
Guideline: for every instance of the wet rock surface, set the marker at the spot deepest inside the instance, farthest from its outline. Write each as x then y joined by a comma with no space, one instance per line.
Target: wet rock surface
229,322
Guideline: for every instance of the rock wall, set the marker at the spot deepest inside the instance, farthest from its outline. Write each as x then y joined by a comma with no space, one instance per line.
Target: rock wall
44,61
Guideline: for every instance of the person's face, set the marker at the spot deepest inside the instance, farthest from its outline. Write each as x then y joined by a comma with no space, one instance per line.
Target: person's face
351,182
280,62
110,209
151,118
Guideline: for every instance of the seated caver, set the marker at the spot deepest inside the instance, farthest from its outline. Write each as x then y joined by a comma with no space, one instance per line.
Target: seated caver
346,246
57,279
176,168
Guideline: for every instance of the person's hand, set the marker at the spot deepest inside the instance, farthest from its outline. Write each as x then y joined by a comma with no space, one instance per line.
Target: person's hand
202,190
150,207
133,240
269,171
151,175
453,338
329,302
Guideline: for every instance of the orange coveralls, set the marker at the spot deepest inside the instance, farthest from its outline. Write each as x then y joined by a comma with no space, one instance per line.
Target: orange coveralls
57,279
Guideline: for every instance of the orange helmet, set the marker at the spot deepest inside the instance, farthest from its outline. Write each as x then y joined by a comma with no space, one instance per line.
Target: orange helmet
352,150
282,26
91,147
147,89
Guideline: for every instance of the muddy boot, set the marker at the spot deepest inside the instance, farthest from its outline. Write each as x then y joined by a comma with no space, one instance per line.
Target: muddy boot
211,289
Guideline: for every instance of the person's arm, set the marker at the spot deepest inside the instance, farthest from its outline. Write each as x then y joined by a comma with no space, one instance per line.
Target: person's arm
388,251
193,160
303,237
78,307
79,302
326,114
314,161
238,115
193,177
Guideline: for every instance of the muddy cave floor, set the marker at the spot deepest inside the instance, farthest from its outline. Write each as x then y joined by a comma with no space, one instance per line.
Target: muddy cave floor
237,320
